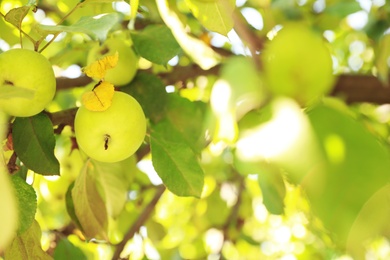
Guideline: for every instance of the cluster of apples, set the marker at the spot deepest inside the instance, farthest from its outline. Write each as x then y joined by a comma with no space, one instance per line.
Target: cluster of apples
109,136
116,133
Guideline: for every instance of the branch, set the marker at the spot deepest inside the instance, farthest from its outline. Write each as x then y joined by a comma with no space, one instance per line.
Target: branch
67,83
63,117
361,88
139,222
233,216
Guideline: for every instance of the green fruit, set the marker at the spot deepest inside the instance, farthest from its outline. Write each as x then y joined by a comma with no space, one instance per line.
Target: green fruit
28,72
297,64
127,65
114,134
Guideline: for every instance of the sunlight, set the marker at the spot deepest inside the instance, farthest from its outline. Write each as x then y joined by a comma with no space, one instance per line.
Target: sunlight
274,137
335,148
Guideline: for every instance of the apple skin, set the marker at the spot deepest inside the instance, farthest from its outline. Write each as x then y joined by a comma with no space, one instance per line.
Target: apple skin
114,134
298,64
127,65
30,70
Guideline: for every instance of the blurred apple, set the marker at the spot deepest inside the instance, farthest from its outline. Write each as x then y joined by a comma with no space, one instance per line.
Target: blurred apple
127,65
298,64
29,79
114,134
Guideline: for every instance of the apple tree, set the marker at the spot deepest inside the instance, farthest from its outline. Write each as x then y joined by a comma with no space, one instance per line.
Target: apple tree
194,129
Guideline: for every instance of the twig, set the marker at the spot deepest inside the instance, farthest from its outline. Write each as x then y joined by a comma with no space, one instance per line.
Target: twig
143,217
63,117
255,44
20,30
60,22
232,218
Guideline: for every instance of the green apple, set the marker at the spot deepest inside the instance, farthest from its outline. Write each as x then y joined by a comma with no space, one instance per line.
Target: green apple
127,65
27,72
298,64
114,134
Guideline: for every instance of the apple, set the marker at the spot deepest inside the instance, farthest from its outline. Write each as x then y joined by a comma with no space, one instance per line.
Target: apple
127,65
114,134
28,72
298,64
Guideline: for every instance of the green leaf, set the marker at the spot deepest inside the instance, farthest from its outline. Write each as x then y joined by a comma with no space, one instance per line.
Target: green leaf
28,245
66,250
382,57
16,15
95,26
186,117
114,180
27,203
156,44
175,161
216,16
34,142
8,91
356,166
70,206
147,89
343,8
8,201
272,188
89,206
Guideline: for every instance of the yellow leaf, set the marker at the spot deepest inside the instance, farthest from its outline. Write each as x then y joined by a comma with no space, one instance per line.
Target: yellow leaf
100,98
98,68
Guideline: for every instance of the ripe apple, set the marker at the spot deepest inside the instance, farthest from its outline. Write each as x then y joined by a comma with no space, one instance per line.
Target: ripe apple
114,134
29,70
127,65
298,64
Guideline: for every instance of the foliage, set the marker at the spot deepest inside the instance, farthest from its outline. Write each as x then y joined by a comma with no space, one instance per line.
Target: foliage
256,148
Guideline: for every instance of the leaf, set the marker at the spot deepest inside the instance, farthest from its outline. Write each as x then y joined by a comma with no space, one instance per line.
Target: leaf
66,250
95,26
272,188
382,57
343,8
70,206
89,206
28,245
27,203
8,201
216,16
204,55
147,88
356,166
16,15
175,161
156,44
98,68
114,182
100,98
8,91
186,117
134,8
34,142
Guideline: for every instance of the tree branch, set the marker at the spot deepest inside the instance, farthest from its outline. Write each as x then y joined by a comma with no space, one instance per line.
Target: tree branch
67,83
351,88
139,222
361,88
